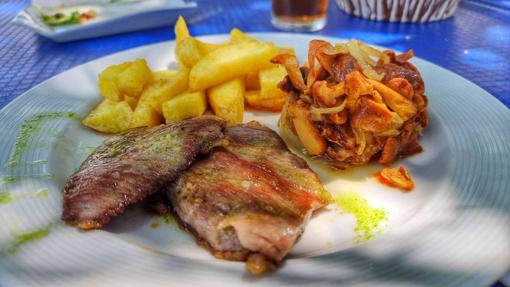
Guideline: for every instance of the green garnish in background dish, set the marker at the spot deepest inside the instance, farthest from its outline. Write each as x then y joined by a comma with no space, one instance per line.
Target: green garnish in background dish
59,19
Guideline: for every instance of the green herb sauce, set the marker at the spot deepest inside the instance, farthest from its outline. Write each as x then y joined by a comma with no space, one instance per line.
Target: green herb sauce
170,221
24,238
368,218
5,197
28,128
42,193
13,178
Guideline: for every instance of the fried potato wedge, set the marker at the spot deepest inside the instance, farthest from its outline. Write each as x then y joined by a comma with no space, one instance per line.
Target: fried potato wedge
184,106
252,81
190,50
163,75
227,100
269,79
229,62
181,30
187,52
134,78
238,36
108,81
161,91
126,79
145,115
148,111
291,64
257,102
132,101
109,117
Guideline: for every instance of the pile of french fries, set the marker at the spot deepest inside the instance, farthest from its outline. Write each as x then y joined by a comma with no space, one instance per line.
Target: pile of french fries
222,76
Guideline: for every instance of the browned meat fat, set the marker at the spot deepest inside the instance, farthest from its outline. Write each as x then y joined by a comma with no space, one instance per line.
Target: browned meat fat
128,167
252,196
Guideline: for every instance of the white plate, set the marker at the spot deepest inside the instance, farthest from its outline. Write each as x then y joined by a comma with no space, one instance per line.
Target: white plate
111,19
452,230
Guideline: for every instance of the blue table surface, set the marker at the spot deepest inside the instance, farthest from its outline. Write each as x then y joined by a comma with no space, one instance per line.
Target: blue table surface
474,43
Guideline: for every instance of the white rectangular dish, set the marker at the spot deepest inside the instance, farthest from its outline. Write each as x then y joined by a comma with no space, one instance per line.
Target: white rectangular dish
112,18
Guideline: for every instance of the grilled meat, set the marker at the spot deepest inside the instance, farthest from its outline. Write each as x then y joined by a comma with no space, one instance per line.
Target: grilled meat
251,196
128,167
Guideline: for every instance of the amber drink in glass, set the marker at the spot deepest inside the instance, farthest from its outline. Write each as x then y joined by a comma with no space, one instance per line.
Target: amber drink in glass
299,15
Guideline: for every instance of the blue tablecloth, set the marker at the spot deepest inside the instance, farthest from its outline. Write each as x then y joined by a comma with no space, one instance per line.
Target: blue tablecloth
474,43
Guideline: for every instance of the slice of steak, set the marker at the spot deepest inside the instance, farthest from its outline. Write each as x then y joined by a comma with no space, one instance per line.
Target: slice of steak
130,166
252,196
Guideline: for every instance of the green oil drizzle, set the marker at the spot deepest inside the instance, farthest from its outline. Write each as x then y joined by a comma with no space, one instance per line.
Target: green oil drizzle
42,193
89,149
24,238
13,178
5,197
39,162
368,218
168,220
8,179
28,128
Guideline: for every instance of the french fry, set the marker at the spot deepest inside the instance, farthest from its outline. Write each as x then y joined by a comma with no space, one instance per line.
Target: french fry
238,36
184,106
109,117
148,111
132,101
398,103
187,52
145,116
269,79
162,91
132,81
190,50
181,30
108,81
163,75
256,101
229,62
251,81
227,100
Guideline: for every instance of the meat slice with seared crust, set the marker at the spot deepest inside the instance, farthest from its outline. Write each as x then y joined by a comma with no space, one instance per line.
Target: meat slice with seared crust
251,196
128,167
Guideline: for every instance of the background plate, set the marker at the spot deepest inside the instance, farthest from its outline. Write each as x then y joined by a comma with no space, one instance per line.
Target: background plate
451,231
111,19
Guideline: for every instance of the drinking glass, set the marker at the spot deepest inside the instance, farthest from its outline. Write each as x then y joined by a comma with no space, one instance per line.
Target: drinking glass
299,15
